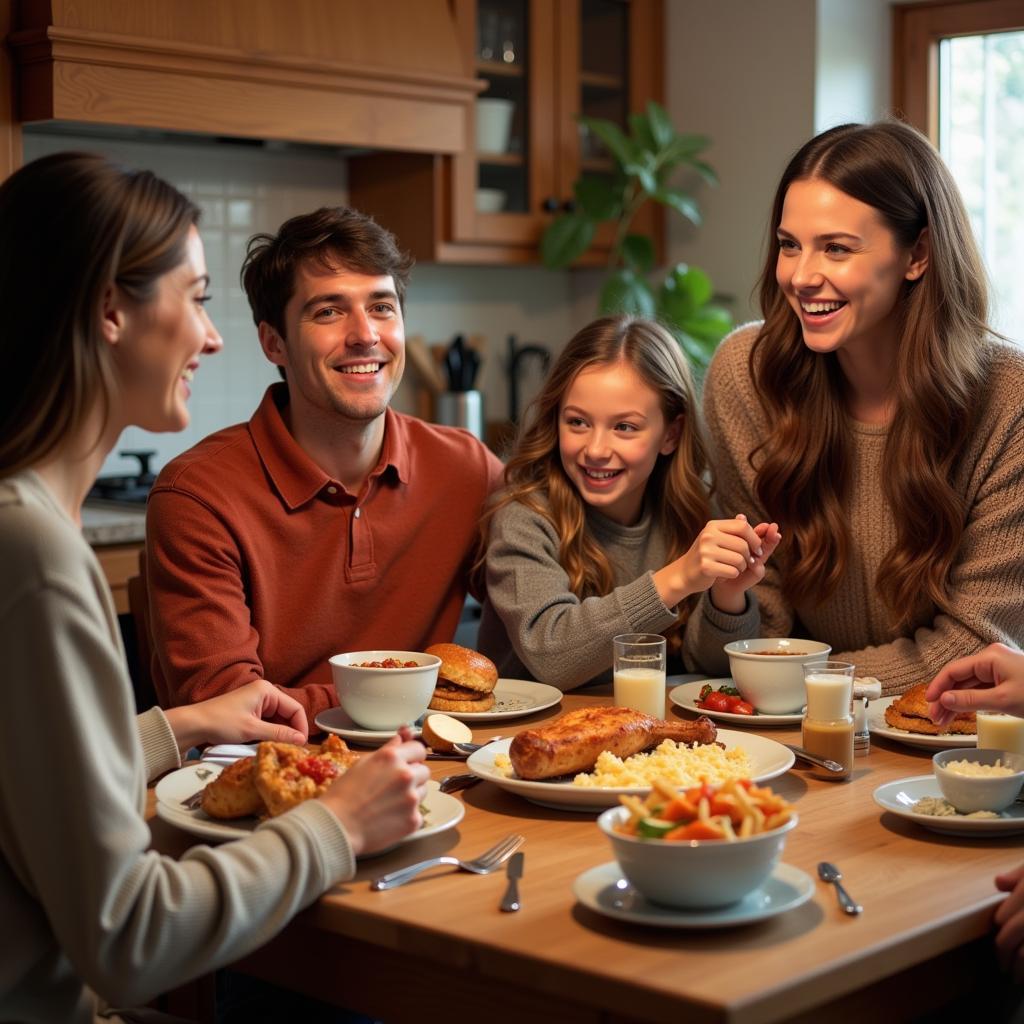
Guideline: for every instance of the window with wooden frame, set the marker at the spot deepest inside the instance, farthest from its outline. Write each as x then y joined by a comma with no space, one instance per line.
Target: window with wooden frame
958,74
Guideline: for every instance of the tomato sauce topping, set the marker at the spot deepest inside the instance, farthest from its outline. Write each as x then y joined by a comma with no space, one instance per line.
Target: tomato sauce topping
319,769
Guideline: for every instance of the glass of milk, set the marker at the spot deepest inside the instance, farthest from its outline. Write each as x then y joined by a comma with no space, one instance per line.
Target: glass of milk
828,729
639,672
1000,732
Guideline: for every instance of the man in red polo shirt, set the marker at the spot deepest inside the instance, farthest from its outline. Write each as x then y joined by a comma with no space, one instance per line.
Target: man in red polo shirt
328,522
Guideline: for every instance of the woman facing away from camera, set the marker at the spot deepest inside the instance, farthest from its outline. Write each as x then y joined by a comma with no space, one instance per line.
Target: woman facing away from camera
103,281
874,416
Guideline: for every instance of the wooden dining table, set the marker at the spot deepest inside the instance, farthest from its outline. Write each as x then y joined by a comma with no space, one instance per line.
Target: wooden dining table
440,948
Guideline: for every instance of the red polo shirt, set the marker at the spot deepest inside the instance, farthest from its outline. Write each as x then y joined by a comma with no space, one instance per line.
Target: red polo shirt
259,565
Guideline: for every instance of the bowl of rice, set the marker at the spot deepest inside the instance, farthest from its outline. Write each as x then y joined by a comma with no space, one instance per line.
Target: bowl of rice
979,780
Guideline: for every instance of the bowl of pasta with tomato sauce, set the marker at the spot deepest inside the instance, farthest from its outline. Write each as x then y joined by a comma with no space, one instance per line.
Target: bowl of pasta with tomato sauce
700,848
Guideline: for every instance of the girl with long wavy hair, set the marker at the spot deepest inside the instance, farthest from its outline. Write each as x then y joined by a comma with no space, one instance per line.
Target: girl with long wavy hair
875,416
603,526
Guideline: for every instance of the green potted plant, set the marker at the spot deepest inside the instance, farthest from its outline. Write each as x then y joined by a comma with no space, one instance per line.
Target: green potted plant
645,160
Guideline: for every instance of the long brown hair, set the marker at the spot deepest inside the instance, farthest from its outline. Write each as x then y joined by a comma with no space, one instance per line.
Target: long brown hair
534,474
803,465
72,225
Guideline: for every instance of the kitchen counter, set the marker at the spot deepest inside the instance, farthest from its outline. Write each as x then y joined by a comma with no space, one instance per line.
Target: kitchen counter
117,531
112,522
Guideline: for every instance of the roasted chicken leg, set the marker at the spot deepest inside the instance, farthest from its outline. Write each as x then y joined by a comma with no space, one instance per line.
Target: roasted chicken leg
573,742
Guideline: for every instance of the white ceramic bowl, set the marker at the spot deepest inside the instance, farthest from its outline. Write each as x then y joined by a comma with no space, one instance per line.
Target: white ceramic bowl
384,698
969,793
773,683
695,874
490,200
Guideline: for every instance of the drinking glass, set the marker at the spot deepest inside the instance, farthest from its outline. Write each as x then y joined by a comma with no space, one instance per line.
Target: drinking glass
639,672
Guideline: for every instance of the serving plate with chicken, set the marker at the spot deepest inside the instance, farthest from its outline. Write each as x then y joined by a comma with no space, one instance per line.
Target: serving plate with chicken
576,761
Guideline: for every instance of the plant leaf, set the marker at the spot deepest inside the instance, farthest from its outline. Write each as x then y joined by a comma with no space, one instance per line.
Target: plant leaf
642,135
698,353
682,149
709,325
598,198
613,137
625,292
678,201
638,253
706,171
660,124
682,294
647,178
566,239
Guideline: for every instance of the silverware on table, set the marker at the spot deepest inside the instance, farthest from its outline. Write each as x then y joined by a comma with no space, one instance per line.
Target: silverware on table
830,873
821,762
488,861
453,783
514,870
461,751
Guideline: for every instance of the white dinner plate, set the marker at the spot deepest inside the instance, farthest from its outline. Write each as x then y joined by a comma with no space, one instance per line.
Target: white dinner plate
768,759
442,811
900,796
513,698
335,720
687,695
880,727
605,890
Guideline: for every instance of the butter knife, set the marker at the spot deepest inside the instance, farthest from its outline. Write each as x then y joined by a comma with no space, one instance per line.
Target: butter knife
510,901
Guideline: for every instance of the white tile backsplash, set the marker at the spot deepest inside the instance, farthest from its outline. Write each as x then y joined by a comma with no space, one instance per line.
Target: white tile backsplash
243,189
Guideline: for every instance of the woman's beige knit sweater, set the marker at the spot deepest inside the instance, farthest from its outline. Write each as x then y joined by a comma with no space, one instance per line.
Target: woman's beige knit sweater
987,578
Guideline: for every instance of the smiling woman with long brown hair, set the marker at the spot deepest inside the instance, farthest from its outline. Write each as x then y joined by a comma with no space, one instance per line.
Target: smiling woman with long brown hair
875,416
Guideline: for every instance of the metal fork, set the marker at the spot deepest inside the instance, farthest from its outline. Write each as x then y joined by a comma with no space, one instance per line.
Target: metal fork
487,862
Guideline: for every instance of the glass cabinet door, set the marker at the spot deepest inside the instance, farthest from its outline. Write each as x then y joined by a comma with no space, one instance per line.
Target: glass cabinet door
503,60
503,184
603,75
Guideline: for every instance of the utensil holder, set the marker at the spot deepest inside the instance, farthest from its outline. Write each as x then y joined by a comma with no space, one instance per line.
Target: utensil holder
462,409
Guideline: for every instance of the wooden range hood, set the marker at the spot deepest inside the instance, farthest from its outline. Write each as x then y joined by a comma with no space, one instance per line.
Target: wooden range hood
380,74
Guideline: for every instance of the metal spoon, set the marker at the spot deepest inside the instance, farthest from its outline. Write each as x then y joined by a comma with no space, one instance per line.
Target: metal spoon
821,762
830,873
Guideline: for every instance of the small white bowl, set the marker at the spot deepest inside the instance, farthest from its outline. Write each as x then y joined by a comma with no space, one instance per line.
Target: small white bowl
490,200
773,683
968,793
384,698
698,873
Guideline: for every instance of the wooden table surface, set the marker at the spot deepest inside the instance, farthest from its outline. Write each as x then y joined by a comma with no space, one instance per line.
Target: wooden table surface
440,943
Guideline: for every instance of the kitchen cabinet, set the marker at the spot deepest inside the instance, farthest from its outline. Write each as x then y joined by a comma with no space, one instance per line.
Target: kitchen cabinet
543,63
120,562
386,76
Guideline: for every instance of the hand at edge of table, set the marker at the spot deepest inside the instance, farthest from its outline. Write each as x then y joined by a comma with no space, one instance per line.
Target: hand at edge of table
1009,920
992,680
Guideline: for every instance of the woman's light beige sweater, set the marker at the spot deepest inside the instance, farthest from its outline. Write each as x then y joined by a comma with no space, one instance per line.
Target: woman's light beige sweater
86,908
987,578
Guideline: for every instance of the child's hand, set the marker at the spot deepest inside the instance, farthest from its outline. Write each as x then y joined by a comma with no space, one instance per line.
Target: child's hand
726,549
728,594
